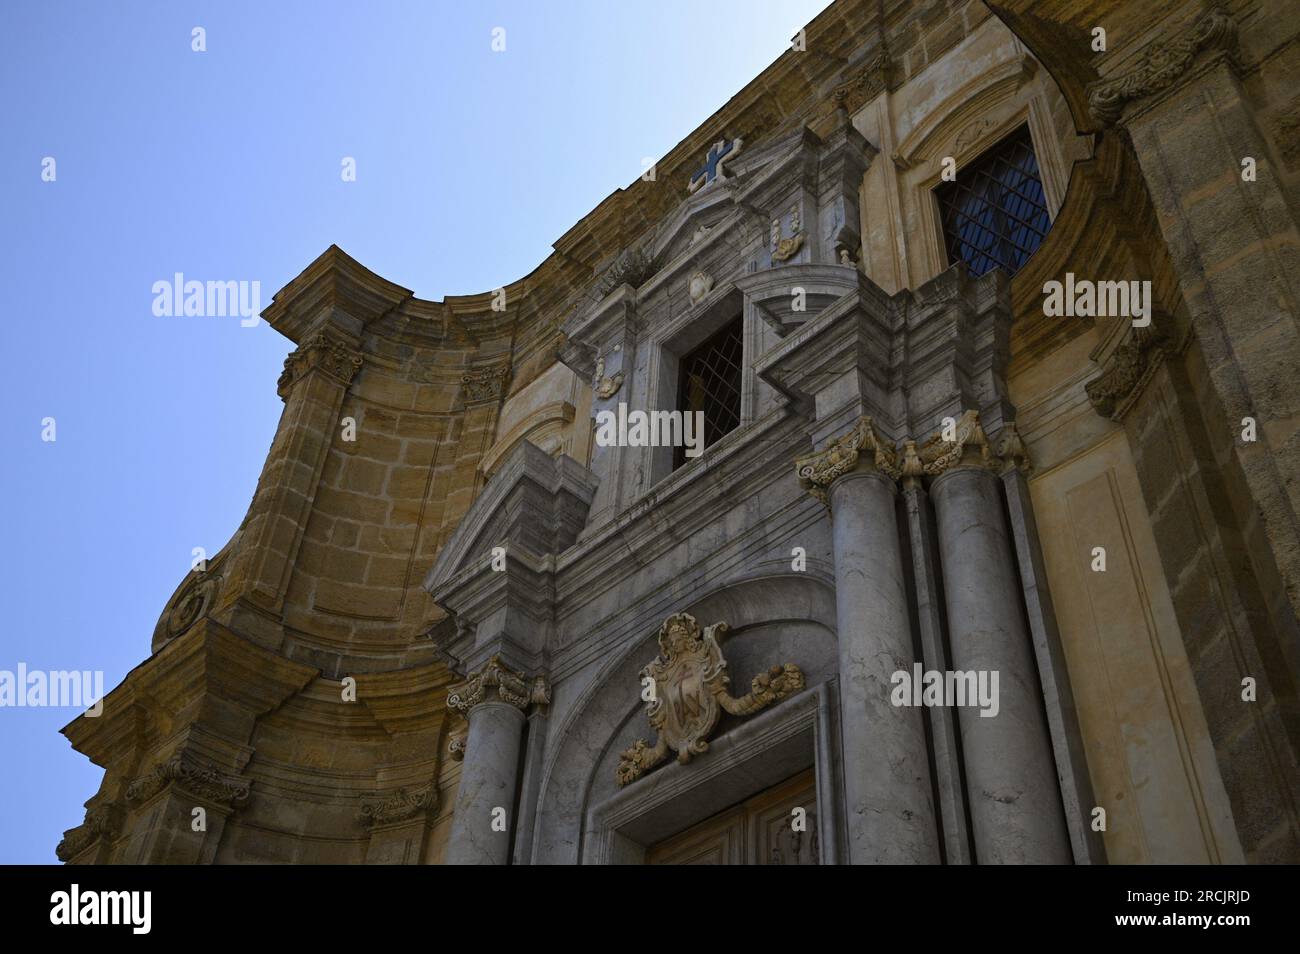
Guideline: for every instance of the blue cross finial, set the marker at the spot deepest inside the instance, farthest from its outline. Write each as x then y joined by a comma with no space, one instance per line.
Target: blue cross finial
712,168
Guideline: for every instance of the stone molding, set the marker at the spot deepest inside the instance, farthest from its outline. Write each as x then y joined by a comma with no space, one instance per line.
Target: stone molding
189,776
691,673
319,352
1161,64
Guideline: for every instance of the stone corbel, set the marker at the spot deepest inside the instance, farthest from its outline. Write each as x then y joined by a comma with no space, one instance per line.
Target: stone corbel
818,471
102,823
1162,64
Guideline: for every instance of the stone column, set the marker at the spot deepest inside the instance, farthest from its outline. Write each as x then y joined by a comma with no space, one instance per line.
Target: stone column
494,701
1012,792
890,812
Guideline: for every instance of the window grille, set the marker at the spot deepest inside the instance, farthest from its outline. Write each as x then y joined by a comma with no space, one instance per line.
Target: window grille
709,381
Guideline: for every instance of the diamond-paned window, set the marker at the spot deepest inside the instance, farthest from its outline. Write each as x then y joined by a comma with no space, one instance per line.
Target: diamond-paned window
994,215
709,381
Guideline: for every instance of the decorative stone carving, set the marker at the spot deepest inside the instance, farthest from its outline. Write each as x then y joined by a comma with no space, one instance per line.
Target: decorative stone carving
1161,64
1011,449
399,806
456,748
698,286
875,76
1126,373
319,352
634,267
485,384
784,249
197,780
507,684
605,387
690,694
938,455
195,598
818,471
102,822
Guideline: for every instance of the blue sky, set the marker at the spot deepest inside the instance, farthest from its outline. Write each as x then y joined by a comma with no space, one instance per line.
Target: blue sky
225,165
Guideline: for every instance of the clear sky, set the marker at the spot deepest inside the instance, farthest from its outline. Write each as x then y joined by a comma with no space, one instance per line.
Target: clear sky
225,165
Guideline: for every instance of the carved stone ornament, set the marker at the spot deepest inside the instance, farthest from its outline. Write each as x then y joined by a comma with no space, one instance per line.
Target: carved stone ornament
456,748
496,678
484,384
399,806
698,286
938,455
818,471
870,80
1161,64
1012,451
690,694
1126,373
319,352
634,267
784,249
197,780
605,387
102,822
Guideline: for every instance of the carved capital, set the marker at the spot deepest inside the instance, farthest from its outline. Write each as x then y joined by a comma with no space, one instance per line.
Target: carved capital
399,806
1126,372
969,447
101,822
497,681
843,454
1012,451
691,693
319,352
1161,64
187,775
484,384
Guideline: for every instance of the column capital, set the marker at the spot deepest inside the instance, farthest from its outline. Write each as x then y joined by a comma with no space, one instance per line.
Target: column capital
326,352
496,682
843,455
969,447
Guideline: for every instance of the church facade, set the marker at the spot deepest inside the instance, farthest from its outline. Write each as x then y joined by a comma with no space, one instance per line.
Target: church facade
905,472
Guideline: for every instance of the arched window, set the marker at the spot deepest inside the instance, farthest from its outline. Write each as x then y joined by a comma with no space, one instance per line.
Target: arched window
995,215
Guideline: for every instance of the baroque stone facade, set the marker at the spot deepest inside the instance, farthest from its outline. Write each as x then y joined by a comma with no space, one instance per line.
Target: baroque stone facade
454,627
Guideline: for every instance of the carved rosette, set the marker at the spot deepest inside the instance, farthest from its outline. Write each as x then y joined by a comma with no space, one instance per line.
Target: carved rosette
497,681
319,352
1161,64
1126,373
969,447
691,693
199,781
484,384
842,455
102,822
399,806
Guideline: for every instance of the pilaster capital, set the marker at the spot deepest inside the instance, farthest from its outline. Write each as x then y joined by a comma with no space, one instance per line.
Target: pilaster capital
485,385
1162,64
321,351
496,682
844,455
188,775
